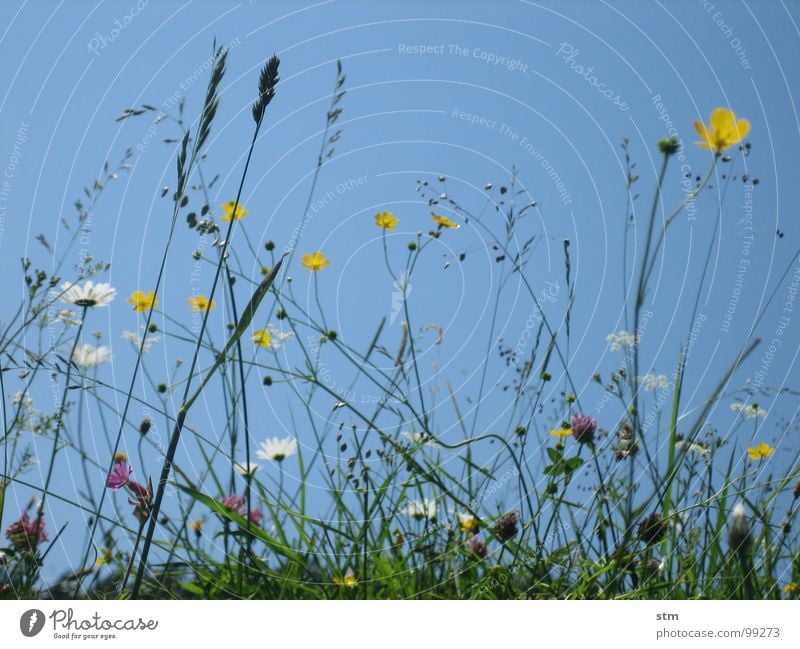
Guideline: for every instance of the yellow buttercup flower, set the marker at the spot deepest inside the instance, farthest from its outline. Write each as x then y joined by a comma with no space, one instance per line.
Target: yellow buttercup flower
723,132
201,303
143,302
230,214
760,452
386,220
348,581
561,432
468,523
315,261
262,338
790,588
444,222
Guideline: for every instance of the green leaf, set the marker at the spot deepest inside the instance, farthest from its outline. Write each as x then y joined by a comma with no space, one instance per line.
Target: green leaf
554,455
574,463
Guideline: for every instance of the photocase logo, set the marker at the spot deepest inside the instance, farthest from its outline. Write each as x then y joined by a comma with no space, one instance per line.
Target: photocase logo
31,622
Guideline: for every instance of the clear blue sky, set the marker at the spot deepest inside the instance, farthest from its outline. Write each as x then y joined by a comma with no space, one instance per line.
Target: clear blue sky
416,74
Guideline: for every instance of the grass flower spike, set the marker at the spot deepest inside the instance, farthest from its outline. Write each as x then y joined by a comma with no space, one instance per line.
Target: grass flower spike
233,212
386,220
723,132
315,261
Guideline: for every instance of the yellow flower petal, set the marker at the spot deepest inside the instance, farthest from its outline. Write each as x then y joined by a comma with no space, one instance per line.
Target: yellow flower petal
241,212
561,432
142,301
315,261
201,303
444,222
722,120
724,130
386,220
262,338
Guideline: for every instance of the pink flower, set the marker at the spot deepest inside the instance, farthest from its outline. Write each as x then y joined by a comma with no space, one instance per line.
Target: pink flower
238,504
583,428
25,533
476,546
119,476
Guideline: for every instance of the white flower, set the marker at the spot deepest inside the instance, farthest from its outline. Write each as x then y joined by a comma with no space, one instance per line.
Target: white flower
426,508
136,340
245,469
276,449
22,400
278,337
749,411
420,439
89,356
67,316
622,339
691,447
90,294
654,381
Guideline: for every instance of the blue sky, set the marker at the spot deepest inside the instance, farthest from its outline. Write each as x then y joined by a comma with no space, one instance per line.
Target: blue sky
467,90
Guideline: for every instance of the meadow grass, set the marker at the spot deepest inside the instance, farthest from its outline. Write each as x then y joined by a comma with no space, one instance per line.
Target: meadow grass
634,508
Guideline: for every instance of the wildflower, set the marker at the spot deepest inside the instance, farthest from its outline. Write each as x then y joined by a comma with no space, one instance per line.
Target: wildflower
652,529
621,340
654,381
276,449
271,337
583,428
506,528
233,211
89,356
724,131
750,411
444,222
669,145
476,546
348,580
90,294
691,447
739,530
119,476
23,400
246,469
760,452
421,509
197,526
468,523
26,534
238,504
790,588
67,317
201,303
119,456
386,220
420,439
561,432
143,499
136,340
315,261
143,302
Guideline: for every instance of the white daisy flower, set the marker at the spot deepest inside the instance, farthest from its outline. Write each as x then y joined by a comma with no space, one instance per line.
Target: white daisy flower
621,340
654,381
90,294
421,509
245,469
276,449
136,340
68,318
89,356
749,411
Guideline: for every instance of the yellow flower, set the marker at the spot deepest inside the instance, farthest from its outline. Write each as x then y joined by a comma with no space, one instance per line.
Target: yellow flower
790,588
262,338
142,301
348,581
197,526
725,130
201,303
561,432
315,261
468,523
386,220
760,452
444,222
239,214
